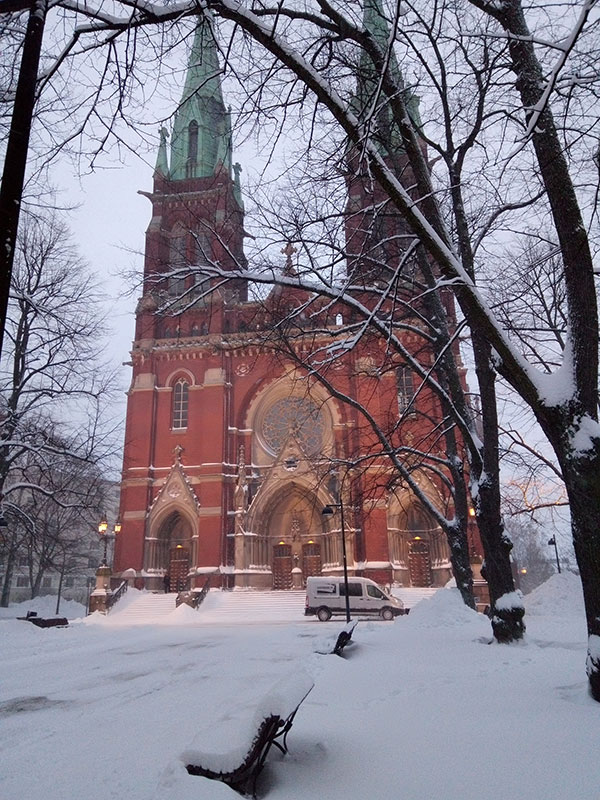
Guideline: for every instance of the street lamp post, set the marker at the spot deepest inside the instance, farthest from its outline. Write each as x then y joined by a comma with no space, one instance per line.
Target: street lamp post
101,598
102,528
328,512
552,541
105,536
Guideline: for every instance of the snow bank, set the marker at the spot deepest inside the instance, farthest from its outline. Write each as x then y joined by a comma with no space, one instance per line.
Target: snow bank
559,596
182,613
214,599
280,701
444,609
45,607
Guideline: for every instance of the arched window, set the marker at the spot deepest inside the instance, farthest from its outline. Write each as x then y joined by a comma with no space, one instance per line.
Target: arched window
193,140
406,390
202,249
180,404
192,154
177,262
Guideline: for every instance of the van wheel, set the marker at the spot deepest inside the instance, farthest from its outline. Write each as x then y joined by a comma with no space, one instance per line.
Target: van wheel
387,613
324,614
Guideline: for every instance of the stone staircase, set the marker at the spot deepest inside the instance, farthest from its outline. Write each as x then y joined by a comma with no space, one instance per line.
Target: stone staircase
233,607
410,596
145,609
253,606
218,608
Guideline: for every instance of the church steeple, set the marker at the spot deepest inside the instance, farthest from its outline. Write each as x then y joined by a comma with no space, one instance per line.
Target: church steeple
387,135
201,140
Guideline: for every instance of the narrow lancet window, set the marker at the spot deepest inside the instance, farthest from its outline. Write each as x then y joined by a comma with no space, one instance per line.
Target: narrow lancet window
406,390
180,404
192,154
193,141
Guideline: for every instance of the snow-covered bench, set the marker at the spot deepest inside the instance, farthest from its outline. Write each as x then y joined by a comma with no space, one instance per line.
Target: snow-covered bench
41,622
274,716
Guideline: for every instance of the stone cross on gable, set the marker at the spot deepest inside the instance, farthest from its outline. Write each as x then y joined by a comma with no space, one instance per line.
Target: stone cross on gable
177,451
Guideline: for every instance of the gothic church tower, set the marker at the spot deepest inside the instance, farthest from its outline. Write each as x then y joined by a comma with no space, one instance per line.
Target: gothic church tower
231,454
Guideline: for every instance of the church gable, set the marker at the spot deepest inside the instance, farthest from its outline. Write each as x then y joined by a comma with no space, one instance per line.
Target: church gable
176,493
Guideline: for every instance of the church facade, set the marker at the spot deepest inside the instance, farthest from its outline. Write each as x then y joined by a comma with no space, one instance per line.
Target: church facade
232,451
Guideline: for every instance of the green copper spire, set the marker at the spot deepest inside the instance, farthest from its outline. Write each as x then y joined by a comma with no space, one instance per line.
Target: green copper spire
202,129
375,21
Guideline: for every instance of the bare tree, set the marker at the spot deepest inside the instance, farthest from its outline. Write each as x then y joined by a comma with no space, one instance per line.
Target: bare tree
53,523
310,51
52,381
568,415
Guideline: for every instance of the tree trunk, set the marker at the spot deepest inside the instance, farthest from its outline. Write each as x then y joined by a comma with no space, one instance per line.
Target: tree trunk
461,564
582,480
507,609
10,563
60,583
449,378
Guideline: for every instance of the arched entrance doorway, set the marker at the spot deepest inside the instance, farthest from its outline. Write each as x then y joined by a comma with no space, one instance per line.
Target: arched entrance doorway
172,550
288,526
418,549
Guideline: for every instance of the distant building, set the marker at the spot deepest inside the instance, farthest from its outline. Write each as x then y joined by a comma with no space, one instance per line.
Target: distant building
72,570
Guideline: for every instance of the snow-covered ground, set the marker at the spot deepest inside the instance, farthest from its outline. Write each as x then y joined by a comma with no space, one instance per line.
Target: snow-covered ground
423,708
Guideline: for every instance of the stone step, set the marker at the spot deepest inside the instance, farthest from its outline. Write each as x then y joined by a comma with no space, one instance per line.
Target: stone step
144,608
410,595
252,606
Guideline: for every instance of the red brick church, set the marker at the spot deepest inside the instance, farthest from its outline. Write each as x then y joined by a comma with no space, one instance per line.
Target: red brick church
231,451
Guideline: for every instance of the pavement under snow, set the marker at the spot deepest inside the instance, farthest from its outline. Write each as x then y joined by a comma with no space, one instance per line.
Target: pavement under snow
424,708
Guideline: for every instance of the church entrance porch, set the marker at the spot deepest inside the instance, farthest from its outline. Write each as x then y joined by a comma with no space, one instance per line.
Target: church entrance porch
282,540
170,549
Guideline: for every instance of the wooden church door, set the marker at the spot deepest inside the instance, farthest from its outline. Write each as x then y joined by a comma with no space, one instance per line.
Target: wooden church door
179,566
282,566
311,560
419,563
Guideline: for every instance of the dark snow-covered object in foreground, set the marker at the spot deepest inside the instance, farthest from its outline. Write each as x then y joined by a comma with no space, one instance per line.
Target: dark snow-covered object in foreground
240,766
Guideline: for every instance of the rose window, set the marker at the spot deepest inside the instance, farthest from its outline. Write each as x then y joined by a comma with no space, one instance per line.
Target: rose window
295,416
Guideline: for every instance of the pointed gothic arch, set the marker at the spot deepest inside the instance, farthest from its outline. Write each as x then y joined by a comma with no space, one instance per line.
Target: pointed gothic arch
285,532
172,531
418,549
192,150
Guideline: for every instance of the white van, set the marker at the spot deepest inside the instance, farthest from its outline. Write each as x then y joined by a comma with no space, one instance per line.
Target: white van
326,595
